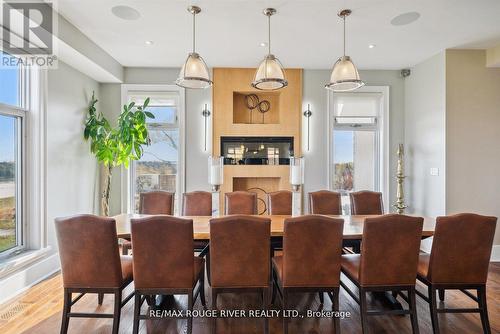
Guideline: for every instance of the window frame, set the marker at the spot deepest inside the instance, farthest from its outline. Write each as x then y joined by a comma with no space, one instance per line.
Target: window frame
127,202
382,140
20,113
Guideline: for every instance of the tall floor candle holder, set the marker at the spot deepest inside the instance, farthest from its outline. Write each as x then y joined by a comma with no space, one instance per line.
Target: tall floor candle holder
400,177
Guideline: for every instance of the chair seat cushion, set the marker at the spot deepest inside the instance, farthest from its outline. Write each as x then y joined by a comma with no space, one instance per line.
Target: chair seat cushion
350,266
127,268
199,262
278,266
423,265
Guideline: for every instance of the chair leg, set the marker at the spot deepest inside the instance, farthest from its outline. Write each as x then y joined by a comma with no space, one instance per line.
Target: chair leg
66,310
335,308
207,262
264,307
413,310
214,298
100,298
117,311
285,307
190,318
137,312
273,287
321,298
441,294
202,288
363,310
433,309
483,309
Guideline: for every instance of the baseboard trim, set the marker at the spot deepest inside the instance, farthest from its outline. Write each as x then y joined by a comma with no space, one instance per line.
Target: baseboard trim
20,281
495,254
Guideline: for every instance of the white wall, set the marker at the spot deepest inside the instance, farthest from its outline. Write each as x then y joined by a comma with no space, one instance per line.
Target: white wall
71,168
424,124
472,135
316,173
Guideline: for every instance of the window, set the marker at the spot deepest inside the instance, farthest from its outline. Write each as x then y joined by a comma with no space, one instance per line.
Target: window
11,150
357,142
160,168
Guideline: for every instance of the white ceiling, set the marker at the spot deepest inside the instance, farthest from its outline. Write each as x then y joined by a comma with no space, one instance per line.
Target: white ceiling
305,33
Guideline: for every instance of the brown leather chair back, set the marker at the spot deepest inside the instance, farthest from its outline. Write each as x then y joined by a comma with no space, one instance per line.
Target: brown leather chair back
366,203
163,252
279,202
461,249
325,202
312,247
239,251
240,203
197,203
88,249
389,250
156,203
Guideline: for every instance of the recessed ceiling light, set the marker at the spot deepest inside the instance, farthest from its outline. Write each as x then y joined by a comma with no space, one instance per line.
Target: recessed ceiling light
263,44
149,42
371,46
405,18
125,13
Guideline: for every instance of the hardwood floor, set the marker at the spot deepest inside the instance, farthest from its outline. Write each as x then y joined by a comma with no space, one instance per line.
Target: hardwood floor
39,311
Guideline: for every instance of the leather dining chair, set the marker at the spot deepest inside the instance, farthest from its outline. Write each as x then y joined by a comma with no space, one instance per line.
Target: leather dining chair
366,203
325,202
239,252
240,203
279,203
459,260
156,203
91,263
164,262
152,203
306,265
197,203
381,267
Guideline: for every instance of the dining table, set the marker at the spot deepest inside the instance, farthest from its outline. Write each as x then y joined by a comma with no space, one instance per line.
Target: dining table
353,230
353,225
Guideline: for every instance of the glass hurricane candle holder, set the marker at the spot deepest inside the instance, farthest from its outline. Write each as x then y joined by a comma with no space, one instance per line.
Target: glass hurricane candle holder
296,172
215,172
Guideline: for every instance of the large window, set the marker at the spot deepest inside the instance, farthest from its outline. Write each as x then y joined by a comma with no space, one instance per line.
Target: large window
356,144
160,168
11,150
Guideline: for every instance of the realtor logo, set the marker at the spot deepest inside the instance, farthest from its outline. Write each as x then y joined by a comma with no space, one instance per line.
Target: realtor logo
27,28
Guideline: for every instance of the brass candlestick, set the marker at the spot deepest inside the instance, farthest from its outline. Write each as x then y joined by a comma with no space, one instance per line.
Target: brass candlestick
400,177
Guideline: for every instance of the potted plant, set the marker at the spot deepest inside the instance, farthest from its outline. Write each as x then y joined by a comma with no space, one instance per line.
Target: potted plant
119,145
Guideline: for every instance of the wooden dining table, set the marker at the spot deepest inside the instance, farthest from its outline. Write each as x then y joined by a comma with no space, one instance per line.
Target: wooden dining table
353,225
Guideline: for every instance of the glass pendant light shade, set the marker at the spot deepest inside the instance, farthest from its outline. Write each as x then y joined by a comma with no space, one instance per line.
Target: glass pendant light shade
194,73
270,74
345,76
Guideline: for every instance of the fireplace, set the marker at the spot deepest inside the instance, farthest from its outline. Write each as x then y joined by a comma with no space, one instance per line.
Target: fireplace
257,150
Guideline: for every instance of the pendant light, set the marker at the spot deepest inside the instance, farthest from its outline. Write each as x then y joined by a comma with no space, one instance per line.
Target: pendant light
270,74
345,76
194,73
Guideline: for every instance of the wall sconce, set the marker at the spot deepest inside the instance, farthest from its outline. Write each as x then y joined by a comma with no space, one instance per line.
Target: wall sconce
308,114
206,114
